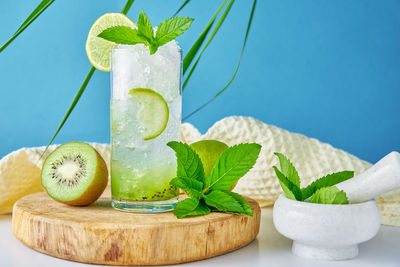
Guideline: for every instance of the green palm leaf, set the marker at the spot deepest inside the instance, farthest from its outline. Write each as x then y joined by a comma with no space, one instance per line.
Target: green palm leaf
127,6
81,89
35,13
181,7
236,69
199,42
72,106
220,22
187,61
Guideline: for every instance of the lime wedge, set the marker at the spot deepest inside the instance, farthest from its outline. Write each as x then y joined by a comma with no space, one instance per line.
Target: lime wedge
98,50
153,111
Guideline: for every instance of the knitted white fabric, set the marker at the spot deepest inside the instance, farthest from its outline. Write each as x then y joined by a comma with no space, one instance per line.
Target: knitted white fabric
20,170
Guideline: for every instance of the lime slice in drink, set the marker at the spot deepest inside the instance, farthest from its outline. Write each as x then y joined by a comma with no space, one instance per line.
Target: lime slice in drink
153,111
98,50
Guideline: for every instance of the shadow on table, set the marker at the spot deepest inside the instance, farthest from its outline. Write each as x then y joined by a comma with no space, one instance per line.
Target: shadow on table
376,251
270,239
381,251
5,217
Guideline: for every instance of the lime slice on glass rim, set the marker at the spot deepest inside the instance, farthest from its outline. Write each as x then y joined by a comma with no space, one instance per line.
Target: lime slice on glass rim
153,111
98,50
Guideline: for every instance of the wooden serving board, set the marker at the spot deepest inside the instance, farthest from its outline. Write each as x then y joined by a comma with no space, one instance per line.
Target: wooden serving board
101,235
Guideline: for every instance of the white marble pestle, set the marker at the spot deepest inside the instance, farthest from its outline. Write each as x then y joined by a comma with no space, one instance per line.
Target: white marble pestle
382,177
333,232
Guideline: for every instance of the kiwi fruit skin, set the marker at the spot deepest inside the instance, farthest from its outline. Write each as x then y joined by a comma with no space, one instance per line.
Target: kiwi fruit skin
94,189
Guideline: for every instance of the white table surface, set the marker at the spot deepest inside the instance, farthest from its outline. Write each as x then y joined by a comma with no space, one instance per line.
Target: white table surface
269,249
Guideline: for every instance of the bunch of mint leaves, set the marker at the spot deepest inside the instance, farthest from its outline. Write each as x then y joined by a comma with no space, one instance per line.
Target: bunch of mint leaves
212,194
167,31
321,191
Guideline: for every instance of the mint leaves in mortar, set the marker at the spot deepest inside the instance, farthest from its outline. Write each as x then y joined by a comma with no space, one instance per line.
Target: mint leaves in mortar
212,193
321,191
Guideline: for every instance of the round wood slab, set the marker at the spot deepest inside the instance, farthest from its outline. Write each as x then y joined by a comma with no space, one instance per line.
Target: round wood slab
101,235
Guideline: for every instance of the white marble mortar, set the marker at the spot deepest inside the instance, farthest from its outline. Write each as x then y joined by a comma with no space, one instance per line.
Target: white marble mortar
326,232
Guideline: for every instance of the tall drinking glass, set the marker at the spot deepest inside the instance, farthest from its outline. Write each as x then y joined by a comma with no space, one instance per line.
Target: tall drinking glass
145,115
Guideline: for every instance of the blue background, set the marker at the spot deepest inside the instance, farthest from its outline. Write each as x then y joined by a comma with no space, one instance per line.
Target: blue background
326,69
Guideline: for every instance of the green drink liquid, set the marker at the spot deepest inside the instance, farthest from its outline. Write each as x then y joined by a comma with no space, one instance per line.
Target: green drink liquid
141,170
142,165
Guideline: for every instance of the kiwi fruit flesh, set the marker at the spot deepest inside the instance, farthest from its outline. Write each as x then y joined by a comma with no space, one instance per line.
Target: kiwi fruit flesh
75,174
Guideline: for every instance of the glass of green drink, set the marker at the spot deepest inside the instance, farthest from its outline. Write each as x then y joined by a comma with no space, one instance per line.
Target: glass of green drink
145,115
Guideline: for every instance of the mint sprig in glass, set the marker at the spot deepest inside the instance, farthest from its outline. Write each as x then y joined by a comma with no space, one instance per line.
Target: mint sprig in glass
167,31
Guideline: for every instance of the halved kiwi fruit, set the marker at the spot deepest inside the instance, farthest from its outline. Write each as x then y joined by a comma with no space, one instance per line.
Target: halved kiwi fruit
75,174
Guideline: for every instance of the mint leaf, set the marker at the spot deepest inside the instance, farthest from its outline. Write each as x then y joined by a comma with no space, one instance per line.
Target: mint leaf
328,180
321,190
291,190
233,163
223,201
167,31
201,209
153,48
185,207
191,186
191,207
171,28
189,163
144,27
329,195
122,35
242,201
228,169
288,169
